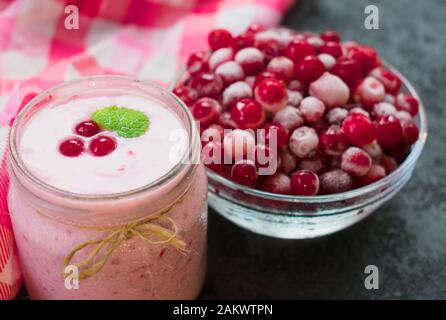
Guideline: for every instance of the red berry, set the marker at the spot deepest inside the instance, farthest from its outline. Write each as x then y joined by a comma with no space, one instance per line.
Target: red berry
271,48
266,158
243,40
298,49
333,141
331,90
392,83
275,131
278,183
309,69
214,132
236,91
356,162
303,141
206,111
186,94
220,56
198,62
304,183
388,131
230,71
289,117
264,75
388,163
312,109
358,129
406,102
102,145
248,114
87,128
348,70
251,60
271,94
410,132
366,57
281,67
207,84
332,48
72,147
335,181
220,38
244,172
375,173
255,27
212,155
330,35
369,92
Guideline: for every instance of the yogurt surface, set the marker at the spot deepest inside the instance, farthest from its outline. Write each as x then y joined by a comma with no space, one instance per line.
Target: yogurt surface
134,163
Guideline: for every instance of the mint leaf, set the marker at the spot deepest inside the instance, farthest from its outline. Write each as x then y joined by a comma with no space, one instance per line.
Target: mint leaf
126,122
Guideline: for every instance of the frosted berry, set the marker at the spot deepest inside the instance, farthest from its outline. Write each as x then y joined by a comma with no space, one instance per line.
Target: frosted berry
271,94
275,131
336,115
236,91
281,67
388,163
214,132
243,40
303,140
230,72
388,131
207,84
206,111
220,38
392,83
333,141
251,60
331,90
315,165
383,109
277,183
198,62
369,92
374,150
406,102
359,129
72,147
304,183
102,145
87,128
332,48
244,172
238,144
335,181
312,109
248,114
220,56
186,94
410,132
375,173
328,60
356,162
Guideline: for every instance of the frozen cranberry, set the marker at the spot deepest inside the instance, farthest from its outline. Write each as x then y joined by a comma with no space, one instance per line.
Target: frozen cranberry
328,60
375,173
236,91
298,49
198,62
388,131
278,183
312,109
244,172
294,98
410,132
72,147
212,155
220,38
369,92
296,85
315,165
332,48
230,72
287,161
304,183
186,94
251,60
207,84
243,40
356,162
220,56
388,163
389,99
359,110
238,144
315,42
366,57
383,109
348,70
281,67
309,69
87,128
271,94
102,145
255,27
391,82
214,132
266,159
303,140
248,114
406,102
206,111
330,35
271,48
331,90
336,115
374,150
335,181
333,141
403,116
399,151
358,129
226,121
275,135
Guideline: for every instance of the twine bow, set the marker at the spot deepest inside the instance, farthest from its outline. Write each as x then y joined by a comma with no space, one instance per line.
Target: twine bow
145,229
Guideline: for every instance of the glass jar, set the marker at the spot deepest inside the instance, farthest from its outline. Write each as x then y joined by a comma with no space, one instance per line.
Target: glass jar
147,243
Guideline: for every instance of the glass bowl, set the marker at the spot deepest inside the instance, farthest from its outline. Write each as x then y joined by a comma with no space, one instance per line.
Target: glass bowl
299,217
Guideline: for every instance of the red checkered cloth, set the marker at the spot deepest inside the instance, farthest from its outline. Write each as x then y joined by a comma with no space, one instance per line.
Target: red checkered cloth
149,39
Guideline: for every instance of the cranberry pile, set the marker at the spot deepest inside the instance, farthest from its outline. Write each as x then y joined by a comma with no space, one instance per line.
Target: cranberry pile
338,115
100,145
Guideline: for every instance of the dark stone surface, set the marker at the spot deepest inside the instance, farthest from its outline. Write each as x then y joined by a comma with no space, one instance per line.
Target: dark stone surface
406,238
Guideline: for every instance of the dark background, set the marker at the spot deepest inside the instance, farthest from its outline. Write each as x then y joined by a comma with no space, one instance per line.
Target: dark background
405,238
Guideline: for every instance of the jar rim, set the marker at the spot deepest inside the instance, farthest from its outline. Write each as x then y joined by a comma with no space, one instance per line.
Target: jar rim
186,159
